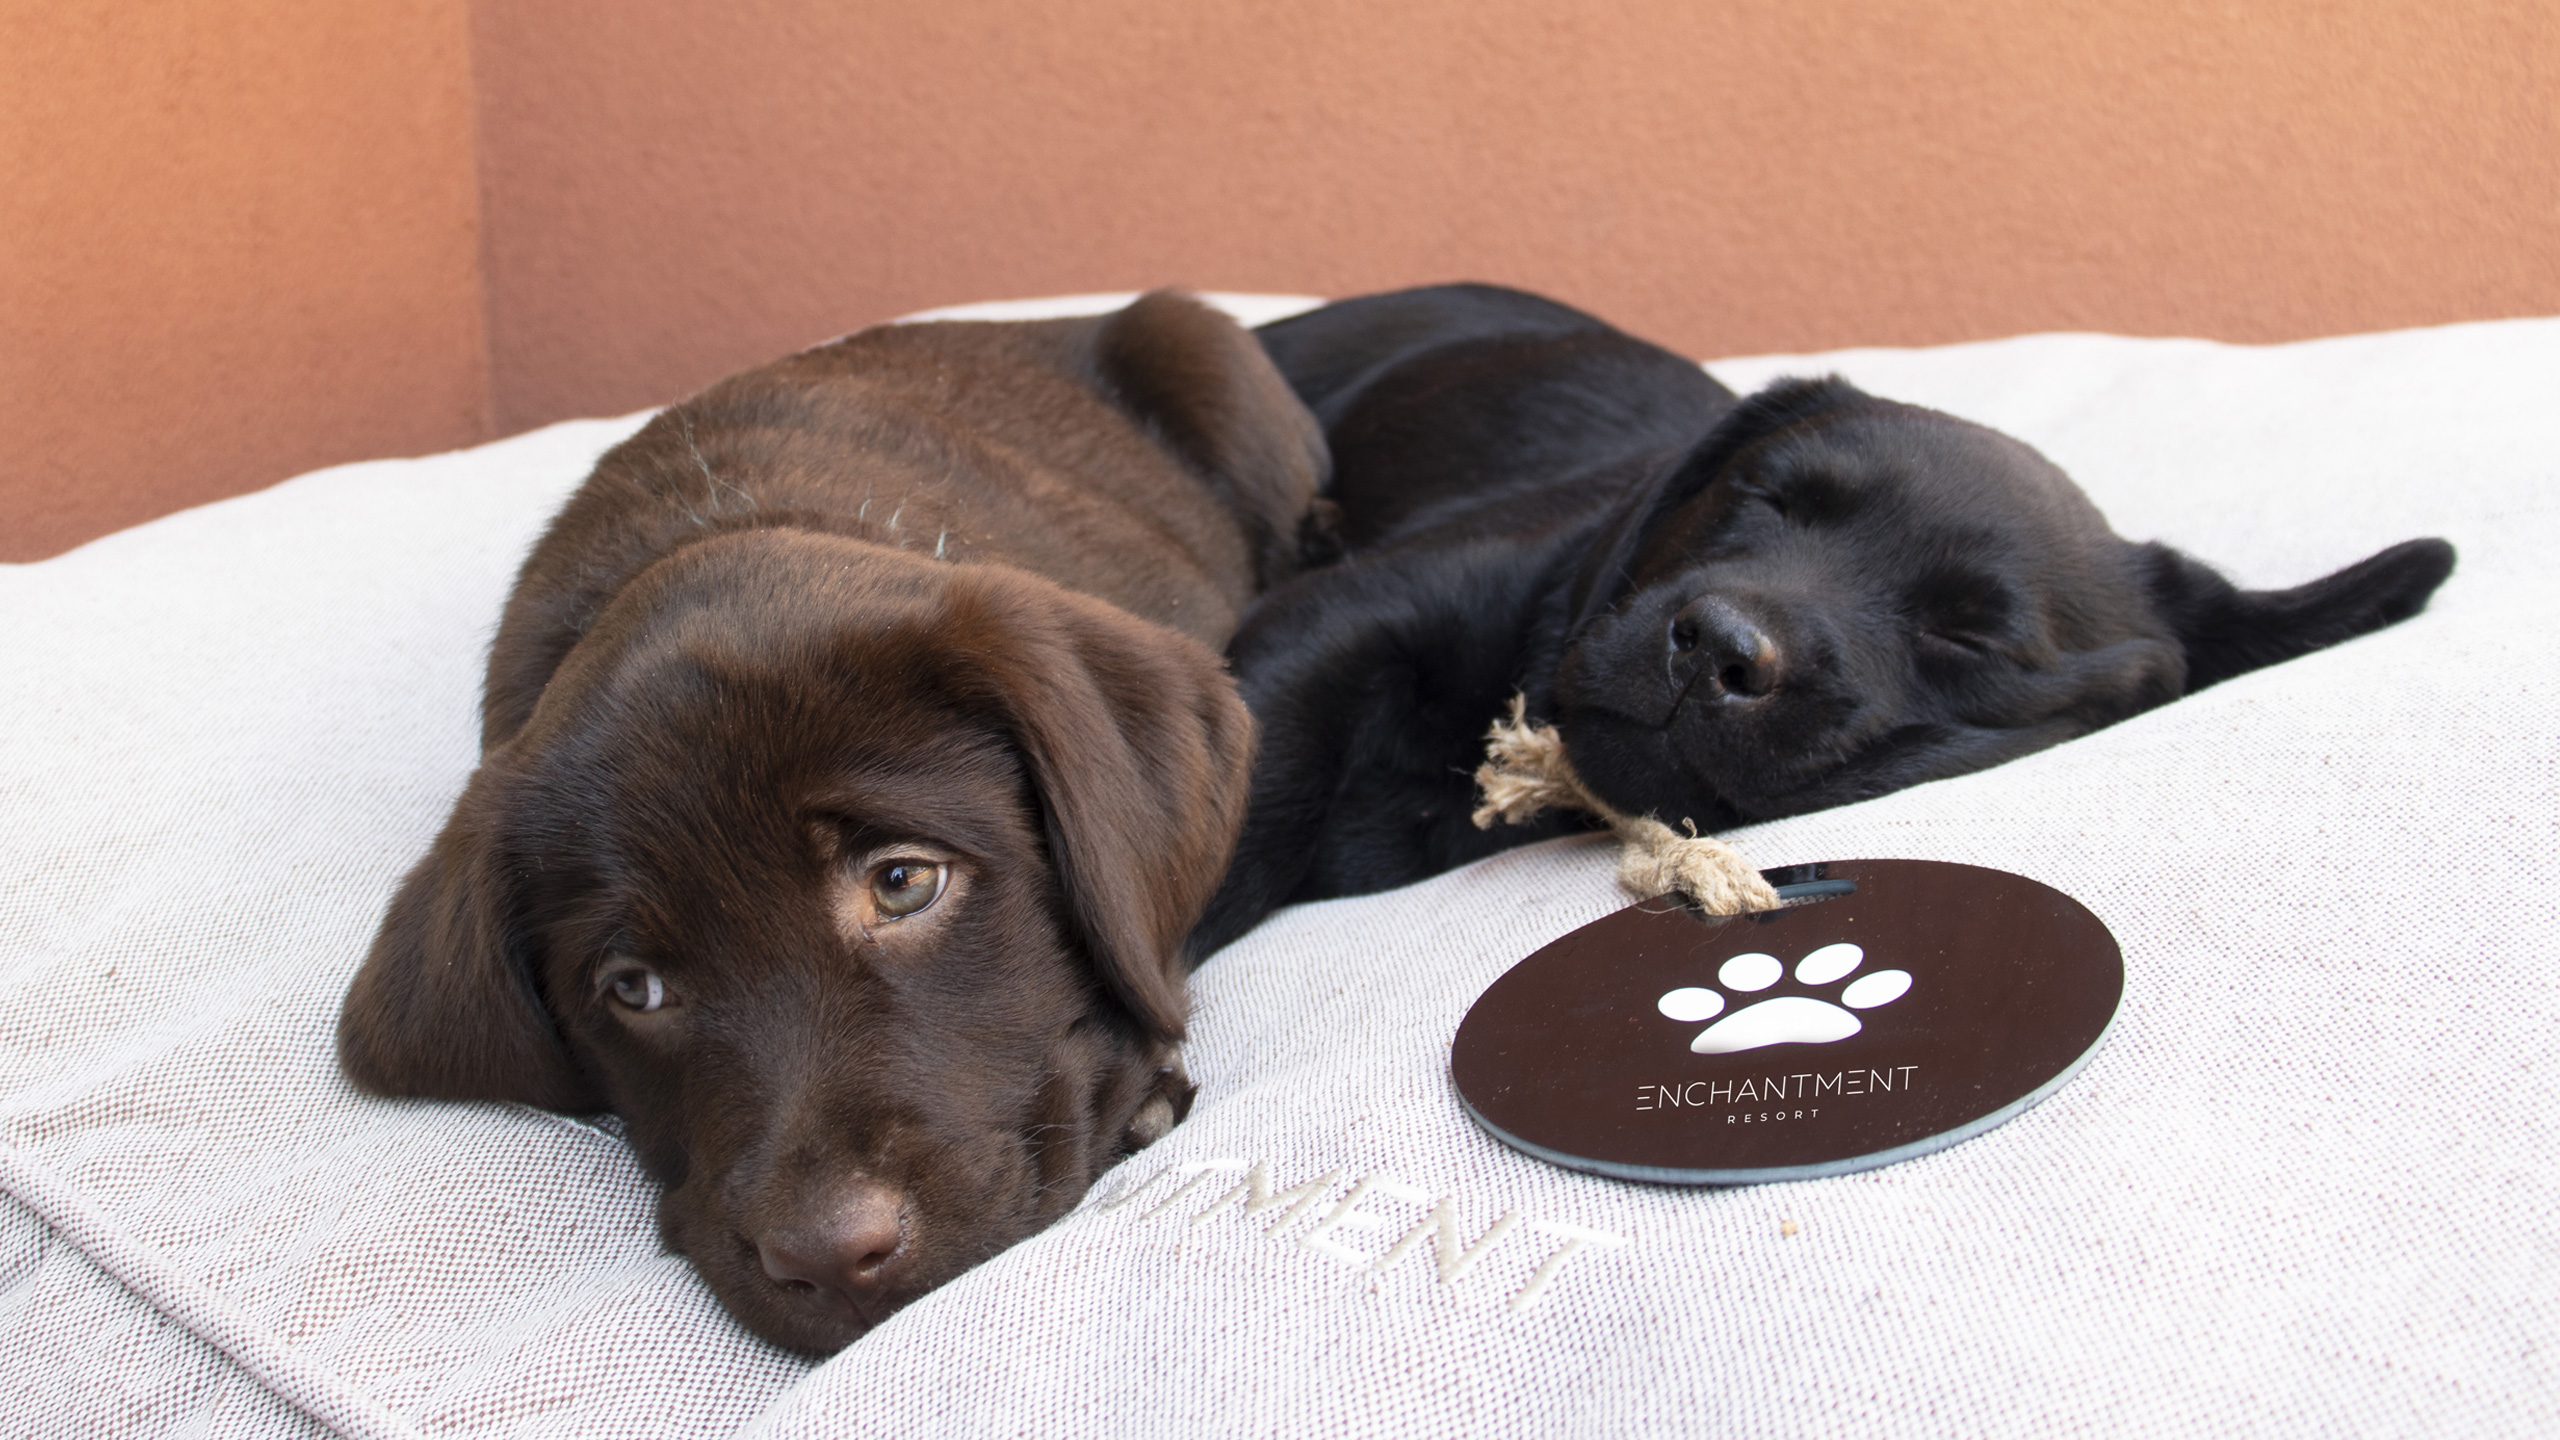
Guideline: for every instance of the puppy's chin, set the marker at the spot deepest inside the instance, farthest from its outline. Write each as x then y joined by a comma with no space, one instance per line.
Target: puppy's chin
815,1323
1614,669
1637,768
1717,766
1648,749
713,1225
1103,1095
1653,736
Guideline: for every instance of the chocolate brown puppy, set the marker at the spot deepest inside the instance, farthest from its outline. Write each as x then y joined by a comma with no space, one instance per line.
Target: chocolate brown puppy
1731,609
856,757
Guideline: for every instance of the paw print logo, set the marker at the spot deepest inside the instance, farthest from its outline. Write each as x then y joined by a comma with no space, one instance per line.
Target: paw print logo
1787,1019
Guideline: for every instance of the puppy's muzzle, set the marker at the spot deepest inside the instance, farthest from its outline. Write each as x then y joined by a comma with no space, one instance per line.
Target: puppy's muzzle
1712,644
843,1260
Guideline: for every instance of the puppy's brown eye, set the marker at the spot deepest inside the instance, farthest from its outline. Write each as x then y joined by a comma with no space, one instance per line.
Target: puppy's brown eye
637,987
904,887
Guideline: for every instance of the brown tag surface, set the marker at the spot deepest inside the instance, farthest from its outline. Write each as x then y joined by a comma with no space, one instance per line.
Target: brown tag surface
1919,1005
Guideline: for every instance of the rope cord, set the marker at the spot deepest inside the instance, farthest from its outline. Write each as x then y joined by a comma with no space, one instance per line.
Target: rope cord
1525,772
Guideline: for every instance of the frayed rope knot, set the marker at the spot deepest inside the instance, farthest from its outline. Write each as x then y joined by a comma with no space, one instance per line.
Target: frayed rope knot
1525,772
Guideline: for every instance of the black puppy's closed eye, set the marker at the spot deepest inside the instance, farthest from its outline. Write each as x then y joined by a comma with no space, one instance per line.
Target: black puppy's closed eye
1954,645
1748,497
1962,615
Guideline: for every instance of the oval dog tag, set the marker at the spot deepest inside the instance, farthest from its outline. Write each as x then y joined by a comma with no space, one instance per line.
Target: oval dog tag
1921,1004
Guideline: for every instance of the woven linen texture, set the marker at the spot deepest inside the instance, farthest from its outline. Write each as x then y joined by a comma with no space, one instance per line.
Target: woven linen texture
2308,1186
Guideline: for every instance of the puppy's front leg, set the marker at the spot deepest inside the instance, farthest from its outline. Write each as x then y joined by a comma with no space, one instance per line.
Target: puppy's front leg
1371,685
1303,684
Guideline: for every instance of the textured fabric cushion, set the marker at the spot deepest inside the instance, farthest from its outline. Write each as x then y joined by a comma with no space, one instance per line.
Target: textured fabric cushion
2308,1186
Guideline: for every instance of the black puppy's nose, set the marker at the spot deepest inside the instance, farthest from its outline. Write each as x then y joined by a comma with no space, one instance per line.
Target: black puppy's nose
845,1255
1712,642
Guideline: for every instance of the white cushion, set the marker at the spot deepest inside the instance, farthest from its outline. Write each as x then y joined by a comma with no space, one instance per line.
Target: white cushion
2310,1185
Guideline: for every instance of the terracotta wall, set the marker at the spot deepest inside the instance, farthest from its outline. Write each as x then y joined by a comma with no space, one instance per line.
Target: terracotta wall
249,244
238,240
675,190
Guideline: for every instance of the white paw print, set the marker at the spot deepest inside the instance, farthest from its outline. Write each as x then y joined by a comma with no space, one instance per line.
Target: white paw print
1787,1019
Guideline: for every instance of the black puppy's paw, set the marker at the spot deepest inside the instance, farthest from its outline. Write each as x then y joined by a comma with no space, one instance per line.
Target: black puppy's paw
1320,540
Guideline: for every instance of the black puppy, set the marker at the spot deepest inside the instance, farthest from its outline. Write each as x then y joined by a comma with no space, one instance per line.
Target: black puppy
1731,610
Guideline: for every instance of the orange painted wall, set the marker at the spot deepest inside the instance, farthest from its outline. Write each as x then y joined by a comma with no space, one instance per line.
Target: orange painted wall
242,237
677,190
239,239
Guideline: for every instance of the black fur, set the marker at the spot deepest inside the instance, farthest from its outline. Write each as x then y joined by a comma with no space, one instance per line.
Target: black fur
1733,610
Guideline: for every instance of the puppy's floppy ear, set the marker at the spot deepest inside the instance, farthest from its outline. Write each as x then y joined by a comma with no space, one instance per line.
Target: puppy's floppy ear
442,1007
1143,756
1780,406
1209,392
2228,631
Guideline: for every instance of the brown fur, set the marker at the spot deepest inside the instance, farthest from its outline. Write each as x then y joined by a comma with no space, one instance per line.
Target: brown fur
934,594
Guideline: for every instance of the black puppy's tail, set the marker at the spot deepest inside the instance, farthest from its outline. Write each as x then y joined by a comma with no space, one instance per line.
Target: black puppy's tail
2228,631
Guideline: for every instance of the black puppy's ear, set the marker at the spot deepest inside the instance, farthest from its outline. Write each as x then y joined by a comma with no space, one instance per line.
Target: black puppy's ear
2228,631
442,1008
1778,407
1204,386
1143,755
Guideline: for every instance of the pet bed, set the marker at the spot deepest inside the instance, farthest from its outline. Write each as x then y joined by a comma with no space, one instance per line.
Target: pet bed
2310,1185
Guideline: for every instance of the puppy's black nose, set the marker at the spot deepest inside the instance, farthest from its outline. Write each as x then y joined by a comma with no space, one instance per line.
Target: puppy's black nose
846,1255
1712,642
